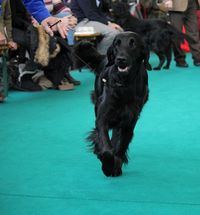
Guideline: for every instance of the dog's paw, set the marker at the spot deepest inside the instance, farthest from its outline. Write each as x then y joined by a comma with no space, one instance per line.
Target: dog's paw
108,163
166,67
118,167
156,68
111,165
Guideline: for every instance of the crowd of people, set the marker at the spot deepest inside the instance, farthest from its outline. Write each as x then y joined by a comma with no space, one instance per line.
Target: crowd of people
65,16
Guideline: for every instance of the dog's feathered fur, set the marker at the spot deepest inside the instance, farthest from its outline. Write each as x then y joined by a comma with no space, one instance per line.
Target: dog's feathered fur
147,28
120,92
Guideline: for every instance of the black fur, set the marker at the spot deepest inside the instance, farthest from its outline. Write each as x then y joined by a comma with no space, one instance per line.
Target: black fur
57,67
161,43
120,92
151,30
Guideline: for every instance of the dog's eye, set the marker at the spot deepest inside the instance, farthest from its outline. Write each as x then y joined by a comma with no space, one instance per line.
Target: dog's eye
118,42
132,43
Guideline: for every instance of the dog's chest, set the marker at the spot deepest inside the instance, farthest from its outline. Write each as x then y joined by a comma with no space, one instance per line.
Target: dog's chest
119,106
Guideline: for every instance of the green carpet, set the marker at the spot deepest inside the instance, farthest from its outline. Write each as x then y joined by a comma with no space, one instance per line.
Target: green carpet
47,169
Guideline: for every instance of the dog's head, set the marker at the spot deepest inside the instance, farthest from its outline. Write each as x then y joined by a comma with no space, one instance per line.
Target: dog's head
126,52
85,55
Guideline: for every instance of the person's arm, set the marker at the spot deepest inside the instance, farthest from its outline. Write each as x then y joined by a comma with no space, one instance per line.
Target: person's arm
37,9
90,11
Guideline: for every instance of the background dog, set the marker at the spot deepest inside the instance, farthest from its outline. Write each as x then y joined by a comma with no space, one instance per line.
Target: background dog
120,92
148,29
161,42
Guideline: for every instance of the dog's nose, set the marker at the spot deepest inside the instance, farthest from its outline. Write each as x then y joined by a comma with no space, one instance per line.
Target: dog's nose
121,59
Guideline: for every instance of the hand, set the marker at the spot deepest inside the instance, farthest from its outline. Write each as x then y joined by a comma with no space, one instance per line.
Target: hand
72,21
61,27
12,45
168,4
165,6
115,26
34,22
2,39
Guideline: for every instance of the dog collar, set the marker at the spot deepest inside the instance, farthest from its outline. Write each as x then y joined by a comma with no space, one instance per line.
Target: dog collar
116,85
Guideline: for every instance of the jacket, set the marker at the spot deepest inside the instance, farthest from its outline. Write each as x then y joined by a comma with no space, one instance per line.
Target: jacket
88,9
178,5
37,9
5,19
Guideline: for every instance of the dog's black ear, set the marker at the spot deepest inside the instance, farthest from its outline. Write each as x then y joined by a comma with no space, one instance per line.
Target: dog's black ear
110,55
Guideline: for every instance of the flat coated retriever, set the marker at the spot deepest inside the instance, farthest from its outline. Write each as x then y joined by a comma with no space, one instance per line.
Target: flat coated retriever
151,30
161,42
120,92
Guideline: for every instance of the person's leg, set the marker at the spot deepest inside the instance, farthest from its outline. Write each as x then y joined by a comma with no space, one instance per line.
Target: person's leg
107,33
177,20
191,26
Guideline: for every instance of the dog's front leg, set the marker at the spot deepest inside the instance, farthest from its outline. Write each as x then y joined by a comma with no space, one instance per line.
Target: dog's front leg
125,139
169,58
105,150
161,61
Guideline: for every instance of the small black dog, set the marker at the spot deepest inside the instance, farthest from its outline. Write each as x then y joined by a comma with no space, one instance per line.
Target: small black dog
121,90
49,54
151,30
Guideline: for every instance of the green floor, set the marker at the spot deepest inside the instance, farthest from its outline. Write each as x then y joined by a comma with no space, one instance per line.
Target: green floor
47,169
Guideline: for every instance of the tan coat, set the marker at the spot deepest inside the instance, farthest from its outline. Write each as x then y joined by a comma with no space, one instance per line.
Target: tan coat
5,19
179,5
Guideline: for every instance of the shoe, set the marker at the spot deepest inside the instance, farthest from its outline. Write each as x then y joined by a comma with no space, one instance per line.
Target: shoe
181,64
1,98
71,79
196,63
65,85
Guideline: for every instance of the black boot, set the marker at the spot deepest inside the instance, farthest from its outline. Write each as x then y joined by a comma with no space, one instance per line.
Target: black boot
71,79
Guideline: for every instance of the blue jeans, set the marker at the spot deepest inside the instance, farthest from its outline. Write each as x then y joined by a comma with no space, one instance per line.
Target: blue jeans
70,33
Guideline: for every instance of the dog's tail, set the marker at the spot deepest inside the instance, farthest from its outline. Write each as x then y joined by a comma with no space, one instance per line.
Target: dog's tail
86,55
178,36
93,140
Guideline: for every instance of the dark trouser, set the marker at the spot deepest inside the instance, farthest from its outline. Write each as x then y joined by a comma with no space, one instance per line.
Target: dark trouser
189,20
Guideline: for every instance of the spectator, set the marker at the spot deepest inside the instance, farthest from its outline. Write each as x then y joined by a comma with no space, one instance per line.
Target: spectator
38,10
20,18
6,24
58,9
5,35
150,9
184,13
89,14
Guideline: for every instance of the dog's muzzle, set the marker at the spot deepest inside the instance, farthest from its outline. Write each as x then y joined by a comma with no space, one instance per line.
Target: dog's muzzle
122,64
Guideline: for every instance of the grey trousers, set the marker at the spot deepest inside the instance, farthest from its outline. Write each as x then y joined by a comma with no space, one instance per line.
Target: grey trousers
189,20
107,33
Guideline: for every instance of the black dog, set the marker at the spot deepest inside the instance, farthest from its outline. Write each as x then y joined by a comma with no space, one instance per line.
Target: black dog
161,42
50,54
121,90
151,30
